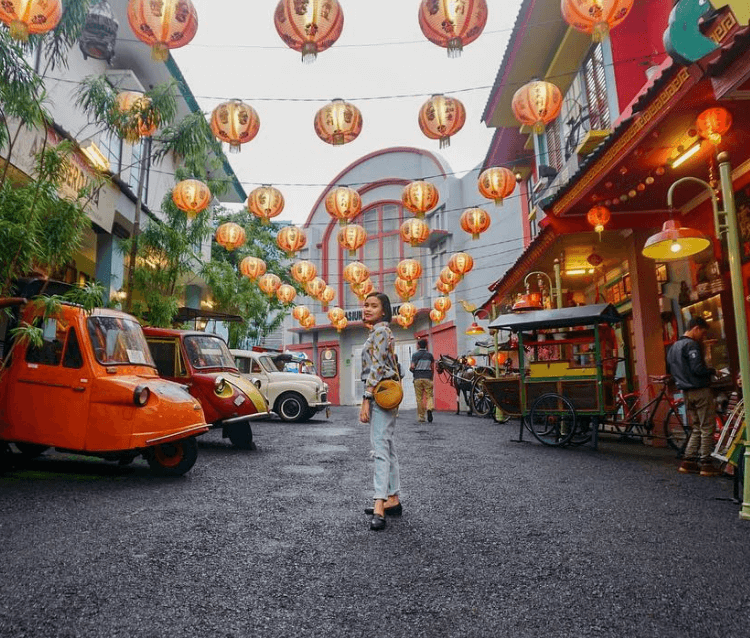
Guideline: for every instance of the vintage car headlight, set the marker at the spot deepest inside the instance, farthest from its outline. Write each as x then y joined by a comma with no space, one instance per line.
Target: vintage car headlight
220,385
141,395
256,382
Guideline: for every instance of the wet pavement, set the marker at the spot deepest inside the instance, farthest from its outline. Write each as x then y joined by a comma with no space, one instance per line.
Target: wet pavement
498,538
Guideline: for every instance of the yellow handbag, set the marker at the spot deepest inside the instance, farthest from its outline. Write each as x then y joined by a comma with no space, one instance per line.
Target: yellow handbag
388,393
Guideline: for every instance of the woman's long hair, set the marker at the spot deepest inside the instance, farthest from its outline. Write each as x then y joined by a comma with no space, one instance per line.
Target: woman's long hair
385,303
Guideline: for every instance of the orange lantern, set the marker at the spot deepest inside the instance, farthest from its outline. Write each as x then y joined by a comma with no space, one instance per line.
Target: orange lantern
308,322
336,314
447,276
136,120
404,322
352,237
341,324
163,25
30,16
452,25
497,183
343,204
436,316
269,283
461,263
291,239
405,289
536,104
300,312
420,197
327,296
315,287
286,293
303,271
191,196
230,236
407,309
442,304
713,123
235,122
443,287
598,216
356,272
252,267
338,123
414,231
409,269
265,202
363,289
440,117
471,361
595,17
475,221
309,27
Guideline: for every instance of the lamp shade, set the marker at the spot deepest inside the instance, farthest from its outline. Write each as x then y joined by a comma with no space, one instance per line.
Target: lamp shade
338,123
474,329
30,16
235,122
164,25
675,242
265,202
309,27
528,301
440,117
452,25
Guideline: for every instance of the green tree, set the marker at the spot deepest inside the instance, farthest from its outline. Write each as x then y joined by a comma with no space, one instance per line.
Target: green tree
235,294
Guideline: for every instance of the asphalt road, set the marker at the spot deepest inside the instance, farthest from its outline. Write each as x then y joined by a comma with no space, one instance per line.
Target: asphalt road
498,538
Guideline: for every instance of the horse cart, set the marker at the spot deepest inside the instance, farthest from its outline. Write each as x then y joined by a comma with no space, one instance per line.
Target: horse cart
564,387
467,379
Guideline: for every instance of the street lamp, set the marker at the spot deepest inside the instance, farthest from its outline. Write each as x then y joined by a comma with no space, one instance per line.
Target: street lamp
555,290
725,222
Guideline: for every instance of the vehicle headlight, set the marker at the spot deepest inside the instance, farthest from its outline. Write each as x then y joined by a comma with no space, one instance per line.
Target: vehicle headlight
220,385
141,395
256,382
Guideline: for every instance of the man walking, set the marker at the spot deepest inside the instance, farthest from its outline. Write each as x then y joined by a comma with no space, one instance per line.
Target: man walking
422,367
686,364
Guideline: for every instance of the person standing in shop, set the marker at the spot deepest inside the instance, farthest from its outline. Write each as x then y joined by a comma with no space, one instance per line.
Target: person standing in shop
423,369
687,366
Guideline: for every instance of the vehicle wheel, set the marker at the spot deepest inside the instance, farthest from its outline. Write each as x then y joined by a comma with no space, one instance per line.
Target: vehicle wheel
172,459
552,420
676,431
291,407
241,436
480,398
31,450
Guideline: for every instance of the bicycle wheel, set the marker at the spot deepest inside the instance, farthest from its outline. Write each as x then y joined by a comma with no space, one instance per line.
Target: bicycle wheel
623,423
552,420
676,431
480,398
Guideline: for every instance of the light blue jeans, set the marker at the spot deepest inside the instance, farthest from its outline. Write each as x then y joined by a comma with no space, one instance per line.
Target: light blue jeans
386,479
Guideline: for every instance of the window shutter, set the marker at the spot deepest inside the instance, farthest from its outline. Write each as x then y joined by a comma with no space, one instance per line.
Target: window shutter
596,89
554,145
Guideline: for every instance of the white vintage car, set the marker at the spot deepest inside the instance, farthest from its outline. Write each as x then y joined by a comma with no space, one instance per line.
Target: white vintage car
293,396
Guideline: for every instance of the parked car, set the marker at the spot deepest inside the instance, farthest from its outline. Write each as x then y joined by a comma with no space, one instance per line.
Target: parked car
202,362
295,397
92,388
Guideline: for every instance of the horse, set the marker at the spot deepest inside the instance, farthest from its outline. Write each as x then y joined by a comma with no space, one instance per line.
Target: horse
460,375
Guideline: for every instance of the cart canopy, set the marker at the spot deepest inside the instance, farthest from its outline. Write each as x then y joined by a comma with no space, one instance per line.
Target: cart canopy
558,318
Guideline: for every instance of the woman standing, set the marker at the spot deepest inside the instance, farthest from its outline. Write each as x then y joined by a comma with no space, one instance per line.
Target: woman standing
378,363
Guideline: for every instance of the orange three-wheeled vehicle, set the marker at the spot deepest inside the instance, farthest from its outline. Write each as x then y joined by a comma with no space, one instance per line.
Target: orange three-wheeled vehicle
92,388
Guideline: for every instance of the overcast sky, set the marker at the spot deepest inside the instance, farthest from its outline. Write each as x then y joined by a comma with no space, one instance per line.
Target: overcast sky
382,52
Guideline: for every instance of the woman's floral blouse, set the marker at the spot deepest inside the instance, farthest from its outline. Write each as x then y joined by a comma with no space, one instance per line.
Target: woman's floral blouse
377,357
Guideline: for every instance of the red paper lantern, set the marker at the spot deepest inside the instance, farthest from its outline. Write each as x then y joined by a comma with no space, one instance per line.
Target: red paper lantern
315,287
163,25
420,197
327,296
713,123
461,263
440,117
286,293
30,16
475,221
497,183
362,290
235,122
452,25
336,314
598,216
409,269
309,26
344,204
338,123
356,272
265,202
341,324
191,196
252,267
414,231
436,316
536,104
595,17
449,277
136,119
442,304
444,287
352,237
269,283
291,239
230,236
407,309
303,271
300,312
405,289
308,322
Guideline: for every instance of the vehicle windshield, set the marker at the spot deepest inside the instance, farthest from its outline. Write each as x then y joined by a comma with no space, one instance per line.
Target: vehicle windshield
118,340
268,364
208,351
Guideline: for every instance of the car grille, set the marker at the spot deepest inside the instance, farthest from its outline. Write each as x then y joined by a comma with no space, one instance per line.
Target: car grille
324,397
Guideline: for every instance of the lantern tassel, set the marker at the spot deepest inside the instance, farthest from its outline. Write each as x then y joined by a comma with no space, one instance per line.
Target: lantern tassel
455,47
445,142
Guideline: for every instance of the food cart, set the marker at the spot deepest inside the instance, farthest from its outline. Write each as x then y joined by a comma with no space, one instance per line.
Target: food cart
564,387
